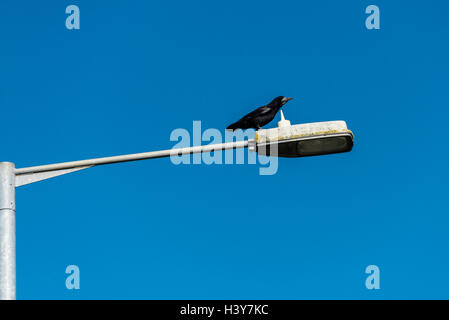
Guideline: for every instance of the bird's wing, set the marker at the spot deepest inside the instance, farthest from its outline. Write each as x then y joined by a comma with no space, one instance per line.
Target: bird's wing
258,112
248,121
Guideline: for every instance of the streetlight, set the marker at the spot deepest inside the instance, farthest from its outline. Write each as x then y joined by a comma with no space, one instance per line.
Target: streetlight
302,140
284,141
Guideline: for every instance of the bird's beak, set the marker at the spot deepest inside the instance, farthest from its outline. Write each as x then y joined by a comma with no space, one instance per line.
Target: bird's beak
285,99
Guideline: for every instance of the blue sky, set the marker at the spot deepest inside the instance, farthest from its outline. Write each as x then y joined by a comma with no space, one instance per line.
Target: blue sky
137,70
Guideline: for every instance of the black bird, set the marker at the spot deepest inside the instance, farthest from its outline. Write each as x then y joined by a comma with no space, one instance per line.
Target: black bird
261,116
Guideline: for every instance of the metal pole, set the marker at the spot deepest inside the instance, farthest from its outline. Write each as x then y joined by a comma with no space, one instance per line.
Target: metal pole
11,177
7,232
135,157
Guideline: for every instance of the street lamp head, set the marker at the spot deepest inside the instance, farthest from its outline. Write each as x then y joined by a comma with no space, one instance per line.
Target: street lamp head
303,140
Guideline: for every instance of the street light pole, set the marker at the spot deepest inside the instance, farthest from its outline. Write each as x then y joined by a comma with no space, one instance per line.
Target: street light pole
7,232
286,141
10,178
